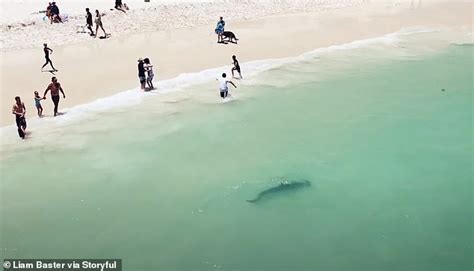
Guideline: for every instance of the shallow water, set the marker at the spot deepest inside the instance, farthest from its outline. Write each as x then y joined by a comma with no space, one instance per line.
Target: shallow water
383,132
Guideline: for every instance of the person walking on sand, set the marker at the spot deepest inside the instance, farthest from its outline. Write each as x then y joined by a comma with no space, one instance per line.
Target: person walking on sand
223,88
220,30
19,110
47,51
236,66
141,73
38,104
55,88
98,23
89,21
149,69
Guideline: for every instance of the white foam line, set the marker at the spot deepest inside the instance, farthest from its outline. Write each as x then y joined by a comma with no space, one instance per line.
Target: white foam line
136,96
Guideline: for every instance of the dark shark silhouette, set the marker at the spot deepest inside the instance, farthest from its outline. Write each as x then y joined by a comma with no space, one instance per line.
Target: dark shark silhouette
283,186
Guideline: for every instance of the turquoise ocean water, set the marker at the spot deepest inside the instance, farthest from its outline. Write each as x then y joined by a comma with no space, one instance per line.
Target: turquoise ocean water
382,130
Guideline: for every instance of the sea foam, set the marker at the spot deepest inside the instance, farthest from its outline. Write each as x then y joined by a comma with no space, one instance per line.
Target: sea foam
133,97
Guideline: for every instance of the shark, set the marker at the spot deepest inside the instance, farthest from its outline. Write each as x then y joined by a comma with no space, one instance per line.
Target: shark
282,187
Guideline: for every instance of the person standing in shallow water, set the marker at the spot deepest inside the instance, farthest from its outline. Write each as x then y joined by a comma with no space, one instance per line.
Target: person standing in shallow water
47,51
223,88
38,99
55,88
19,110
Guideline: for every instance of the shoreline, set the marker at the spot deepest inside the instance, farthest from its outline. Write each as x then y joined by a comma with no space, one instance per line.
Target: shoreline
172,88
147,17
179,60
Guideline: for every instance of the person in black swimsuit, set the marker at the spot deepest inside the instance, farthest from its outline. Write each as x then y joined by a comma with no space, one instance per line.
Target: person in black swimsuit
46,55
89,21
236,66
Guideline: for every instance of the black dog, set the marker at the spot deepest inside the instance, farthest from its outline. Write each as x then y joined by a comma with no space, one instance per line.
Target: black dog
230,36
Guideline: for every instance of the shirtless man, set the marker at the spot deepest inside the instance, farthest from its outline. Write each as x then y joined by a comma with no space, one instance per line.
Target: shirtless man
55,88
47,51
19,111
119,6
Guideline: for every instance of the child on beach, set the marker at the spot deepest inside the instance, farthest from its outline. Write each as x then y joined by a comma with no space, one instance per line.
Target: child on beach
149,69
119,6
223,88
38,103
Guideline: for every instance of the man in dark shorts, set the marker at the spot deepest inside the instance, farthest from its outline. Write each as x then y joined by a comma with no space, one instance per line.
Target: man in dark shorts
55,88
89,21
19,110
46,55
141,73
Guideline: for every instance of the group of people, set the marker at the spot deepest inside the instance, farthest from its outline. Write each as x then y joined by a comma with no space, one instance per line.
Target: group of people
223,81
19,109
145,74
52,12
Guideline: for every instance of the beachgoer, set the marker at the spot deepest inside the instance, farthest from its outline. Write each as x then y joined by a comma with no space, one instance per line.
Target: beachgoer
223,88
38,104
89,21
55,13
55,88
49,13
220,30
47,51
19,110
54,9
119,6
98,23
149,69
141,73
236,66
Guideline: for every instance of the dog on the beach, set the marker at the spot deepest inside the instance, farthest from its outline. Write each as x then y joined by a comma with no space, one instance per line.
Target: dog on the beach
230,36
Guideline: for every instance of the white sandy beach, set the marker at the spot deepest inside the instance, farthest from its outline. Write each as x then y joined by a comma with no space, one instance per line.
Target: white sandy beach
90,69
